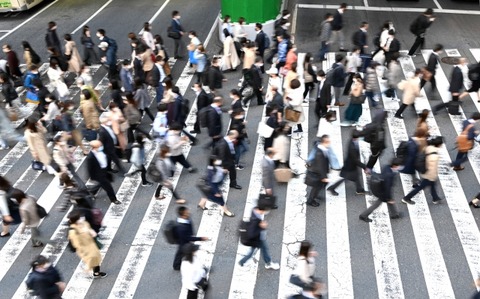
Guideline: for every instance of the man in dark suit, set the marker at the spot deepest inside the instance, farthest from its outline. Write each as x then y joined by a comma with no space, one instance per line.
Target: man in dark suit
456,86
109,141
260,39
203,100
184,234
214,118
359,38
351,167
225,150
215,75
419,28
177,28
324,95
391,47
97,162
253,77
156,78
317,173
432,66
387,175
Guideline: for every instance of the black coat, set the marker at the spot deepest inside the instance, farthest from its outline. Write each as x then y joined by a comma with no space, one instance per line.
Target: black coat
432,63
223,152
360,38
319,168
260,41
154,77
215,78
352,163
254,230
43,283
337,22
253,77
214,123
203,100
9,92
116,96
184,233
107,140
324,96
387,175
422,23
51,39
456,82
96,172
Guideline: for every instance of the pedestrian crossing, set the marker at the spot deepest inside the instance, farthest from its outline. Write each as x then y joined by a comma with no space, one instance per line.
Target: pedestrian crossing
131,265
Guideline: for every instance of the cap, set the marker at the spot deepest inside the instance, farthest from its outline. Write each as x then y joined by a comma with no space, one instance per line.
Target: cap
103,45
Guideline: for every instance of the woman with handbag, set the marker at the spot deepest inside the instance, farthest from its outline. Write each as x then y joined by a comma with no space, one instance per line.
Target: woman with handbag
294,114
137,158
166,169
55,75
71,134
134,118
213,182
63,157
281,144
82,237
53,114
309,75
29,215
194,274
35,137
354,109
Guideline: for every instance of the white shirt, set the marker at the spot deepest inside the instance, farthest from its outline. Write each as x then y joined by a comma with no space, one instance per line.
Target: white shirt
191,273
101,158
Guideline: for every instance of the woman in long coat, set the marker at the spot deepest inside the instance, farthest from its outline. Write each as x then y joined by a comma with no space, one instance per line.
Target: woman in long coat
294,98
35,137
81,236
354,109
230,56
75,61
29,215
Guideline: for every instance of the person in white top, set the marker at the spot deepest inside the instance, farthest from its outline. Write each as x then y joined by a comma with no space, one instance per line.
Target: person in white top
326,127
239,33
147,36
192,270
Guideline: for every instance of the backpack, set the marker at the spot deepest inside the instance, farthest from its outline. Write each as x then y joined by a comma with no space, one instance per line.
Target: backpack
413,26
203,116
170,232
473,74
266,43
185,108
402,150
421,161
373,133
463,143
243,231
376,184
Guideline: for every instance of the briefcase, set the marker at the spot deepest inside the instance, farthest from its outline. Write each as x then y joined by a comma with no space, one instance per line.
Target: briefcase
266,201
283,174
292,115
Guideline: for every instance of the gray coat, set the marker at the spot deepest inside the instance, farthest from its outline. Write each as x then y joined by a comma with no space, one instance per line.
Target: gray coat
268,178
325,31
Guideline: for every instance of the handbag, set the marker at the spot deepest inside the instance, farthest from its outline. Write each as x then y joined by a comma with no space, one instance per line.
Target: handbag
292,115
12,115
41,212
37,165
172,34
99,245
203,284
247,91
283,174
264,130
307,77
266,201
31,97
333,116
204,186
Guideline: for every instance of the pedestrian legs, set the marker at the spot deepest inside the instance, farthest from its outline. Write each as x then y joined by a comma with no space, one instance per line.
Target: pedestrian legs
419,41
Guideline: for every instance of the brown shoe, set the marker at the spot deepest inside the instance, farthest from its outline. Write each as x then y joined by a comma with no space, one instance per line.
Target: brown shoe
458,168
339,104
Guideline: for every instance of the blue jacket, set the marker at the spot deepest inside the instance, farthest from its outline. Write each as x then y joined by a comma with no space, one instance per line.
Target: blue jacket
176,27
339,75
126,78
29,78
43,283
282,50
409,166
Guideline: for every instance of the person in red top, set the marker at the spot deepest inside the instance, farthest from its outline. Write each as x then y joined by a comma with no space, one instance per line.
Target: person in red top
12,61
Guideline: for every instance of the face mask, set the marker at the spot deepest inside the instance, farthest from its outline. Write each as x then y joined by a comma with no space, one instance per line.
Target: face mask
71,108
218,163
100,148
319,78
108,123
82,219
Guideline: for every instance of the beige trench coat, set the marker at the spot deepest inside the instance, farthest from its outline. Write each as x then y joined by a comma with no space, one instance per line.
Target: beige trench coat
38,145
411,90
81,236
75,62
230,57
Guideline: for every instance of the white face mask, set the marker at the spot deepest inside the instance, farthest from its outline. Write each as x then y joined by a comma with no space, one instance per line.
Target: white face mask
82,219
100,148
218,162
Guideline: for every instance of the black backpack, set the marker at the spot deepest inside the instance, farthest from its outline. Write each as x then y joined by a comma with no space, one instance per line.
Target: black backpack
473,72
243,231
402,150
376,184
203,115
414,26
421,161
170,232
185,108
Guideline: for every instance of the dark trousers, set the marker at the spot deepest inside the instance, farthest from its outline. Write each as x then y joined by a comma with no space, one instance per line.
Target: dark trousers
177,261
401,109
178,46
105,184
419,42
131,135
196,126
324,48
180,159
232,173
376,152
392,209
308,88
143,173
314,193
424,183
461,158
452,107
432,82
149,113
159,93
169,187
91,56
320,109
348,85
358,183
192,294
112,72
112,157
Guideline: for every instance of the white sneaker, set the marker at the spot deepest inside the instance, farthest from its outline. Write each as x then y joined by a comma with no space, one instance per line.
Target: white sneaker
273,266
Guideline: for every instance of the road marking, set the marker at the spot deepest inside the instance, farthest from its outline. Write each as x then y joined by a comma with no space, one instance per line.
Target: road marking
92,16
2,31
439,7
365,3
391,9
158,12
462,216
28,20
476,54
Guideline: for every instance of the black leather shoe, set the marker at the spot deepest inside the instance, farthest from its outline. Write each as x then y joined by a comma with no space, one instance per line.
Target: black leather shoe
274,207
333,192
366,219
313,203
117,202
236,187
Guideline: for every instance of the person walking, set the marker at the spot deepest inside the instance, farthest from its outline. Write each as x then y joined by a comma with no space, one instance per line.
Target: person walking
374,133
429,178
261,40
29,215
108,47
90,56
253,77
97,166
109,142
338,79
357,98
317,172
176,143
474,76
351,167
294,99
29,55
35,135
256,233
431,68
387,176
304,273
12,62
419,29
309,77
214,123
177,30
203,100
72,55
51,38
337,26
359,38
411,90
82,238
416,145
325,36
455,89
354,62
137,158
45,281
268,168
324,95
225,150
214,178
192,270
470,132
166,168
184,234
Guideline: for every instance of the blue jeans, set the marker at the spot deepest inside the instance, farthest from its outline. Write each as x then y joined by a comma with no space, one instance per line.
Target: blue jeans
460,159
370,95
159,95
323,50
424,183
241,148
263,250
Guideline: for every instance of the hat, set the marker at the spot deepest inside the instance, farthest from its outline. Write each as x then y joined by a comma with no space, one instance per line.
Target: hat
103,45
272,71
190,248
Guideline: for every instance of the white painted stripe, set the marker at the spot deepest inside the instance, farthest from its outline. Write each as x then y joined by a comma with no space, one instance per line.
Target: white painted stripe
438,5
407,65
92,16
138,255
158,12
476,53
391,9
28,20
465,223
14,246
294,20
2,31
365,3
